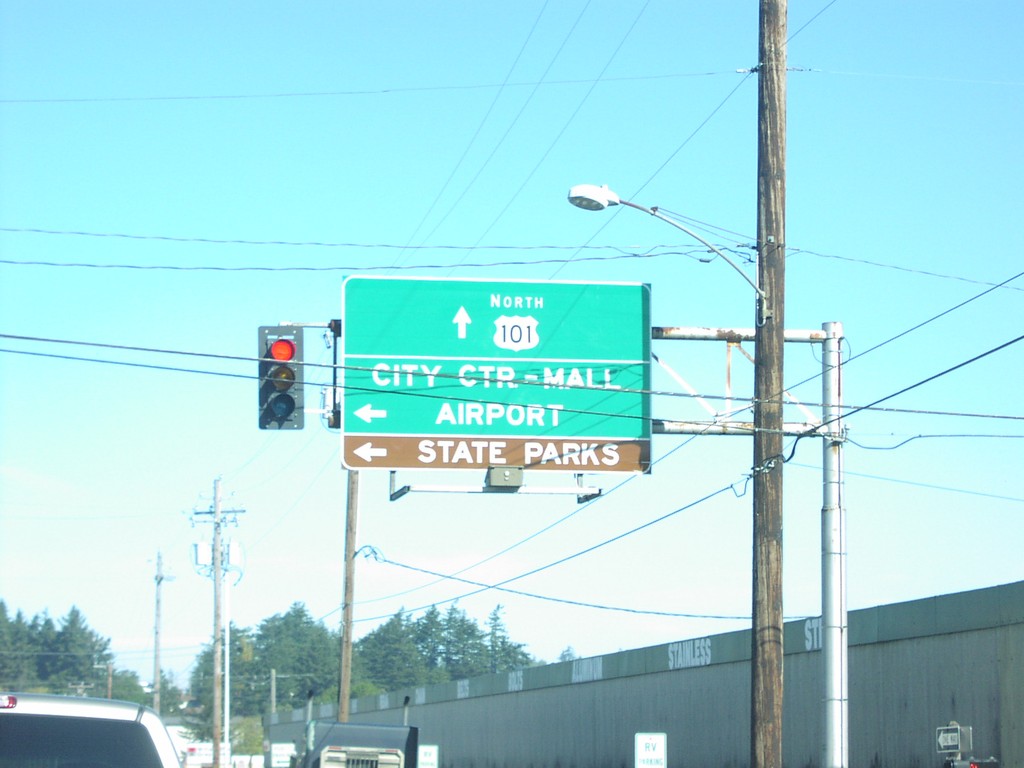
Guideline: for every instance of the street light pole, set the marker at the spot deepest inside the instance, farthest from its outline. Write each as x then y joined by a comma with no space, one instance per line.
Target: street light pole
768,428
833,557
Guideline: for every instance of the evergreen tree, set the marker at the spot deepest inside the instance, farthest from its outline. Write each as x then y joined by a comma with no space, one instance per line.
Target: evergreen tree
80,654
465,645
40,655
37,655
244,696
250,688
503,654
43,644
171,697
126,686
17,662
361,684
247,736
390,657
428,634
304,655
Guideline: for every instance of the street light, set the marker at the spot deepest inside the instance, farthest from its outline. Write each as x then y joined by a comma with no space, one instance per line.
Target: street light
591,197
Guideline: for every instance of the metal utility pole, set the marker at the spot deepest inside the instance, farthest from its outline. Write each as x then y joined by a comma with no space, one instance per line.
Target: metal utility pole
767,650
345,679
835,639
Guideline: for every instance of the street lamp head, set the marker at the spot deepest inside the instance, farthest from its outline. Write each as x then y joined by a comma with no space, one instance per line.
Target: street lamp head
591,197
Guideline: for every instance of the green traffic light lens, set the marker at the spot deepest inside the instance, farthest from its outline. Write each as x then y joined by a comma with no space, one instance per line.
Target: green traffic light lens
282,406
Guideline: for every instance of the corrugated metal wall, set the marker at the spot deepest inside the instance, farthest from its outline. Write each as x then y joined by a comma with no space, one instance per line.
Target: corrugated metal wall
913,667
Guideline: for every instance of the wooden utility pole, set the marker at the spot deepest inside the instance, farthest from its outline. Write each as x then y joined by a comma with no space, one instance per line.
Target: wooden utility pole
156,633
767,650
345,677
215,570
217,631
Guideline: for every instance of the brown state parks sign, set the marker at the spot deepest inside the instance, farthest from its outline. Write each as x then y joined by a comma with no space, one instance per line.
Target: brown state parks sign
437,451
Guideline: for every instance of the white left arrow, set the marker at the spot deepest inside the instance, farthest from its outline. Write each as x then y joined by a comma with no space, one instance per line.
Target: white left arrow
368,413
368,453
462,319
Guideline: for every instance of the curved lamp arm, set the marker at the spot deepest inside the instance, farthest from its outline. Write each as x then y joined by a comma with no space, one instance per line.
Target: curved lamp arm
591,197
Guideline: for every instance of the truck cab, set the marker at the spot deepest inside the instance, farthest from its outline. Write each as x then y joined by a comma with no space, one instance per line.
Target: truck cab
355,745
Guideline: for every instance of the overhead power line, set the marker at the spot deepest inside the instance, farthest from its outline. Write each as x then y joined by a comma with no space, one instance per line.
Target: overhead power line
602,499
364,92
913,438
252,360
289,243
500,142
377,556
930,486
938,375
501,586
621,253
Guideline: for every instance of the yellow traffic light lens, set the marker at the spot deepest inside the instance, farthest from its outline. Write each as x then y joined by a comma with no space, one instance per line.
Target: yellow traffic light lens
282,377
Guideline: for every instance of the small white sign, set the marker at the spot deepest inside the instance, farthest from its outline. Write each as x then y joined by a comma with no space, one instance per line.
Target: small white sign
949,738
651,750
281,755
428,756
953,738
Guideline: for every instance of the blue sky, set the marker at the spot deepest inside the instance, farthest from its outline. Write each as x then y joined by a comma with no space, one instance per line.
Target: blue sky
174,177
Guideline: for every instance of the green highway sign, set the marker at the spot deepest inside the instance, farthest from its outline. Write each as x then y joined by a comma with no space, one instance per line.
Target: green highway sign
466,374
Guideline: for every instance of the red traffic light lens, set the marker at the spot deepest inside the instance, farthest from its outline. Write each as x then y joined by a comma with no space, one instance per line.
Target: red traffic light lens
283,349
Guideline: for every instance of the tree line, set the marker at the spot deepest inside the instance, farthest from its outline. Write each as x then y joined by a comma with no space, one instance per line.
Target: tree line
299,653
65,657
303,657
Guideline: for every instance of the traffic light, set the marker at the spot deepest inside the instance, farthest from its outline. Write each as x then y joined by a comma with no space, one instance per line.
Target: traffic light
280,353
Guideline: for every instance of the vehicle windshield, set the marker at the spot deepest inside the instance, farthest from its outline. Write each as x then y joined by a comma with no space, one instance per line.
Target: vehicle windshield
45,741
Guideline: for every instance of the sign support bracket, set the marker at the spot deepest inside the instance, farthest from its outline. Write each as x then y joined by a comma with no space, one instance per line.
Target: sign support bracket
583,493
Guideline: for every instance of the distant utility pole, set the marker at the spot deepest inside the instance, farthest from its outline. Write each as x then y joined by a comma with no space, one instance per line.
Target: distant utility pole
345,677
217,573
156,633
767,630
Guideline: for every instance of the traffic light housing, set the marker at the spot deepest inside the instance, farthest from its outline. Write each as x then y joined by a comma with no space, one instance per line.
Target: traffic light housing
281,391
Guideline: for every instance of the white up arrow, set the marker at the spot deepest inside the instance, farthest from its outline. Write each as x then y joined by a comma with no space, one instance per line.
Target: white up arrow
368,413
462,320
368,453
